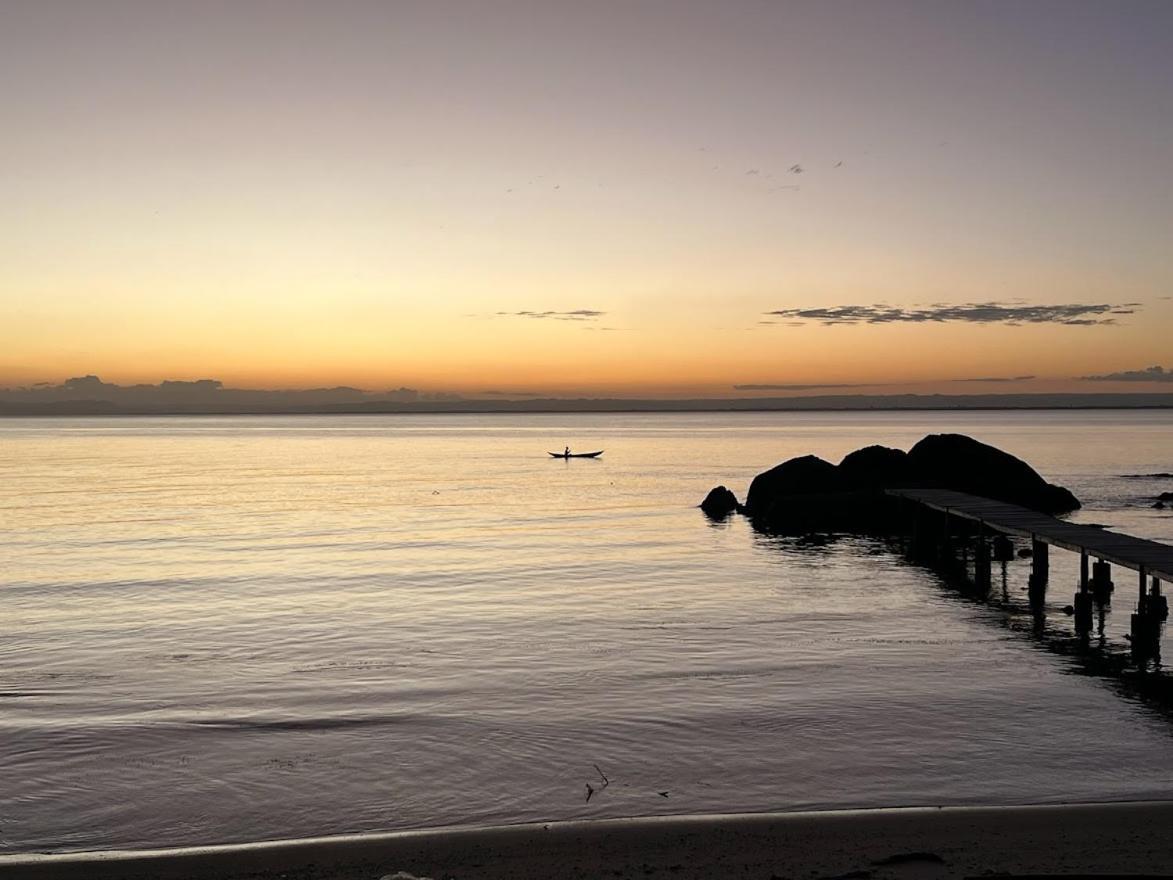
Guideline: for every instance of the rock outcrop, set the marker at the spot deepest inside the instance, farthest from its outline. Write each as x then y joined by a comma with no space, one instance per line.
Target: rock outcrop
719,503
876,467
799,476
808,494
954,461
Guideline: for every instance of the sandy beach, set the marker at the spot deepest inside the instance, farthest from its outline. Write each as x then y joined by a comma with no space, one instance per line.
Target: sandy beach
1128,838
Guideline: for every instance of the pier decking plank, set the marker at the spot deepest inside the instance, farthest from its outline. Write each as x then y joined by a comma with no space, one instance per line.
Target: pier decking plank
1139,554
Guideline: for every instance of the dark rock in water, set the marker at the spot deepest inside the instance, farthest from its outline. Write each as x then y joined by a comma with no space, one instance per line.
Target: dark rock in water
1160,505
876,467
1025,553
862,512
1165,496
807,475
954,461
809,494
1069,610
720,502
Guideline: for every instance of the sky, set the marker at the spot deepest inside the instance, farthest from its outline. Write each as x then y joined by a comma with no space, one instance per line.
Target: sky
628,198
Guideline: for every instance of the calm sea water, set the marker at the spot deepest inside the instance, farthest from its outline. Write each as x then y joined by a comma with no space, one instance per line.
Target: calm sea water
235,629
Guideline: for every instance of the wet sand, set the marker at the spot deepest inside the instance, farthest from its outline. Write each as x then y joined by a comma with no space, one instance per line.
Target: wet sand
1130,838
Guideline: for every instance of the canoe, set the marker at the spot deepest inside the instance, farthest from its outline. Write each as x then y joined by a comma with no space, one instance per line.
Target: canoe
577,454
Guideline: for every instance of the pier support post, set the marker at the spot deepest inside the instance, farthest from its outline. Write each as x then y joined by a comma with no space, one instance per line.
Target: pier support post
1036,590
1146,626
981,559
1101,583
1083,599
915,538
1040,559
1083,612
946,554
1040,570
1158,605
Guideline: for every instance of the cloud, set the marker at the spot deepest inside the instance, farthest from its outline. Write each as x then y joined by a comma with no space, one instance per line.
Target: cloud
1149,374
1012,314
574,315
995,379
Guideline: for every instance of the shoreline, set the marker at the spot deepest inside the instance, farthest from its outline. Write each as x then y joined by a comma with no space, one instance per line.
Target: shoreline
1116,837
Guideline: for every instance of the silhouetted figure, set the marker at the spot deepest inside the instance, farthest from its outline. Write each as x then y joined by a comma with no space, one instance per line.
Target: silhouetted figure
566,452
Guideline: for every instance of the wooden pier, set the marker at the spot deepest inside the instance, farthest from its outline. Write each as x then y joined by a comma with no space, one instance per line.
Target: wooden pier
1152,560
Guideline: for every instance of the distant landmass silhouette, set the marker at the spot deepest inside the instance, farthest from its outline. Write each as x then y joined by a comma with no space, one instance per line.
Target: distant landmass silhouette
89,395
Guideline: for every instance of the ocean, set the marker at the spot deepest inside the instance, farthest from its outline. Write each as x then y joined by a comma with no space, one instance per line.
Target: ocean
229,629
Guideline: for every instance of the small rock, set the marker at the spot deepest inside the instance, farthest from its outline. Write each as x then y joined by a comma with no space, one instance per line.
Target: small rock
720,502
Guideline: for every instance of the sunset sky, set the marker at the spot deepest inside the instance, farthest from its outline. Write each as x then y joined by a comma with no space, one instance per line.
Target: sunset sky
603,198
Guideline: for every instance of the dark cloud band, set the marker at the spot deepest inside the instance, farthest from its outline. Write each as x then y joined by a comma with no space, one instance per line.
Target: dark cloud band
1075,314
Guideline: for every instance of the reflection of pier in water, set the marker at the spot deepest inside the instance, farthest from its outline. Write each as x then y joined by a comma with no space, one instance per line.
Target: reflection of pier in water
945,528
1091,653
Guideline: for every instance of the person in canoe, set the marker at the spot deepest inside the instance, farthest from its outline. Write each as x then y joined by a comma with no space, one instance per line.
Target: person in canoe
566,452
